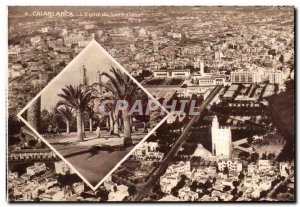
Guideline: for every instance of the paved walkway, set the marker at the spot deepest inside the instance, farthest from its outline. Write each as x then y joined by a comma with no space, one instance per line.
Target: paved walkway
94,165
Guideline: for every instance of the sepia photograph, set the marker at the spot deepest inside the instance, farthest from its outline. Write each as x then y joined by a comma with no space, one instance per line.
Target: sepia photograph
151,104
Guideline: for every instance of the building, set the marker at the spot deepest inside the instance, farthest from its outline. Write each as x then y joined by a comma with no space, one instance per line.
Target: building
210,80
243,76
83,77
173,175
233,165
284,169
120,193
264,165
78,188
83,43
186,194
13,175
73,39
221,139
204,171
184,73
36,168
276,77
35,40
109,184
148,151
252,169
62,168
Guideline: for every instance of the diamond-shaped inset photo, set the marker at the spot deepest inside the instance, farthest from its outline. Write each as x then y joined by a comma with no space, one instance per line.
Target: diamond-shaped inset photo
93,114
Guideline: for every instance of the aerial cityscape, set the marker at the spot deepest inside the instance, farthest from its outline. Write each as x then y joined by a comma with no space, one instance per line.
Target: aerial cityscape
225,74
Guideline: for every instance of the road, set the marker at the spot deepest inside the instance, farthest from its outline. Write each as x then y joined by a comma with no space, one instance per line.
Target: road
161,169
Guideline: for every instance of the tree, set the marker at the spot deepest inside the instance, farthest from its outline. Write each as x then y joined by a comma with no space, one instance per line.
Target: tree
67,113
234,192
207,184
78,99
226,188
156,188
264,156
122,86
226,170
244,155
103,194
250,140
241,176
54,114
115,188
14,126
271,156
90,112
254,156
263,194
194,186
235,183
132,190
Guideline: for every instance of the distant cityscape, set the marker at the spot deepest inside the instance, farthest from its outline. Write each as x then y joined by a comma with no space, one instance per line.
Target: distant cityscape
236,62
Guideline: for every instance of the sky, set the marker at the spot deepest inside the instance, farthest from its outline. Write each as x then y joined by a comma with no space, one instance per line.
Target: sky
93,57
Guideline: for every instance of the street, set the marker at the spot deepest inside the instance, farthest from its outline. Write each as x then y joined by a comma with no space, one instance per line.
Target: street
175,147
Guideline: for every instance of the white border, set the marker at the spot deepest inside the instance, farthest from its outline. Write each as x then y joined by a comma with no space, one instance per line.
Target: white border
4,63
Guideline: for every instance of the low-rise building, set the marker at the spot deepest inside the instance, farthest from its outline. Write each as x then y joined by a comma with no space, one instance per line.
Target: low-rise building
186,194
184,73
78,188
232,165
36,168
264,165
120,193
62,168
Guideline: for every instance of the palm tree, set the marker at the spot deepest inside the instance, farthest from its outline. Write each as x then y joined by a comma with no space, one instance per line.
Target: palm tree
54,114
78,99
123,88
67,113
90,112
109,108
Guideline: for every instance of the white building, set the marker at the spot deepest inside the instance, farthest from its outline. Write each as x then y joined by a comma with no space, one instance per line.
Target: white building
173,175
276,77
83,43
35,40
221,139
62,168
233,165
184,73
148,151
252,169
186,194
119,194
36,168
78,188
284,168
243,76
208,81
204,171
264,165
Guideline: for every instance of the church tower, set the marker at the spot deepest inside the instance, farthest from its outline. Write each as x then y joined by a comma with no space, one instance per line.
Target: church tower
99,80
83,78
202,67
221,139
